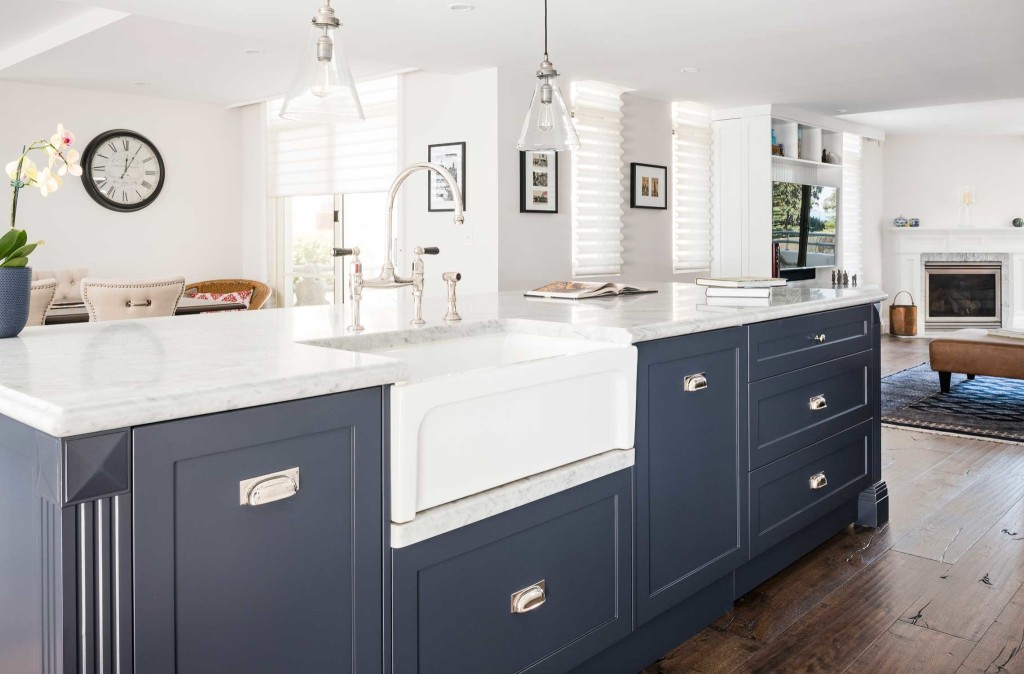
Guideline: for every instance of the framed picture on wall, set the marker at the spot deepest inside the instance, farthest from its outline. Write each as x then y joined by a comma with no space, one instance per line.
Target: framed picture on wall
648,186
538,181
452,157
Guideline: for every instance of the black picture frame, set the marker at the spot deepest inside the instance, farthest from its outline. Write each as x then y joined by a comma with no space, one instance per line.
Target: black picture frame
527,188
88,154
657,177
433,179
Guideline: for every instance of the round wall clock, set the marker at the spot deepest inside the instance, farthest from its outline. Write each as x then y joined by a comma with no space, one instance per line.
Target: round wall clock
122,170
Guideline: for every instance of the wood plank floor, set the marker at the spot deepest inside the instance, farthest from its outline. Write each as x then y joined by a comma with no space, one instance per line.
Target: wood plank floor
938,589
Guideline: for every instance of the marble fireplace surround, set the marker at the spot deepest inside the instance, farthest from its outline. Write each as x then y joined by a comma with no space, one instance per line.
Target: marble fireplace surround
907,249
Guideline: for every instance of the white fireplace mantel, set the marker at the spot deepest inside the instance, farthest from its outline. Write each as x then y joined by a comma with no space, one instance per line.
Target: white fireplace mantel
903,269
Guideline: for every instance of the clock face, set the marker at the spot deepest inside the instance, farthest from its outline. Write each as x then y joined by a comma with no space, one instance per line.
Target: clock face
122,170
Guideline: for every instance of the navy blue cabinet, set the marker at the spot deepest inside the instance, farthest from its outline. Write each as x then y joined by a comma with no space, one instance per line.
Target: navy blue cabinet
540,588
691,465
258,539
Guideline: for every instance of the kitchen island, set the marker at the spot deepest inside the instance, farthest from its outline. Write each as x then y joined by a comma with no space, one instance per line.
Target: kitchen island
215,493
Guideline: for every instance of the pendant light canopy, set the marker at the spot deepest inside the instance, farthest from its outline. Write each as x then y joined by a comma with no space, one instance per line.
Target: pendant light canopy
323,89
548,124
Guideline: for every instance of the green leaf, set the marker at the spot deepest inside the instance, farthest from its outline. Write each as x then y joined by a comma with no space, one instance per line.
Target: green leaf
25,250
15,262
8,242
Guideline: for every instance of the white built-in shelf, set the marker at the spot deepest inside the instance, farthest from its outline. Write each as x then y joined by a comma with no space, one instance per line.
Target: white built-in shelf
803,162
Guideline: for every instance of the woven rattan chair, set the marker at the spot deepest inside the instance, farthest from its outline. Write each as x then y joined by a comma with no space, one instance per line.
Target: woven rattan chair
260,291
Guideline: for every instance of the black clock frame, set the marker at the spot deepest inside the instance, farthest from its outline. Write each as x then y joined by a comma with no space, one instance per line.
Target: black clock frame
96,193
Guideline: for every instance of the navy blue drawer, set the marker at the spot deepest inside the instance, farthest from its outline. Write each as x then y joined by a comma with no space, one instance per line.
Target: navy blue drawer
453,593
783,499
801,341
786,412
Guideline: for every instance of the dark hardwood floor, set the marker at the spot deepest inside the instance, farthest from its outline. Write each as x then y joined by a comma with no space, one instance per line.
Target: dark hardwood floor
938,589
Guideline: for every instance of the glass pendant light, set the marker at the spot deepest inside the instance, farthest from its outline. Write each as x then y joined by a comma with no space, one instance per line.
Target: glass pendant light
548,124
323,90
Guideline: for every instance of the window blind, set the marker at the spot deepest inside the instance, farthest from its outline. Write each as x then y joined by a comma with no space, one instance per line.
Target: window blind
343,158
691,187
597,179
851,230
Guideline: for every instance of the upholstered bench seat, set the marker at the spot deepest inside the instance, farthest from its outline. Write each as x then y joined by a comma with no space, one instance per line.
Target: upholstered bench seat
973,352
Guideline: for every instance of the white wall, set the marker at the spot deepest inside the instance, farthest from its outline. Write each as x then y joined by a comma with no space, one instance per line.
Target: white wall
438,108
872,192
924,175
195,225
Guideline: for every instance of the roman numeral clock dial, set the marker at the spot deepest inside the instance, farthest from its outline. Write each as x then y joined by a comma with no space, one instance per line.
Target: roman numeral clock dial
123,170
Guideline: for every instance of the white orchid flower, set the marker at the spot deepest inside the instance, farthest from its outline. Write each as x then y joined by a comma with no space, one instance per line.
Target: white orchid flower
47,182
29,171
62,139
72,163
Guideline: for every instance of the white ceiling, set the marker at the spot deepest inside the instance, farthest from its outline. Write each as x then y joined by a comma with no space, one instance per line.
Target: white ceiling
985,117
862,56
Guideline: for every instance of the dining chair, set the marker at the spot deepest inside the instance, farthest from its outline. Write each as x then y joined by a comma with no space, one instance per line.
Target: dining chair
111,300
40,300
253,294
68,282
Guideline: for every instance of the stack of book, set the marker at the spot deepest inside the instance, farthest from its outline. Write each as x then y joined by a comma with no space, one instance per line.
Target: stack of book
740,291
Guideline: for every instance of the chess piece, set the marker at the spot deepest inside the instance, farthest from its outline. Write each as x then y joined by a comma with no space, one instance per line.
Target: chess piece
846,280
833,278
854,280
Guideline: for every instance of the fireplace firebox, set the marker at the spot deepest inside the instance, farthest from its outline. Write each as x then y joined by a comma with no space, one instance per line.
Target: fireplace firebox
963,295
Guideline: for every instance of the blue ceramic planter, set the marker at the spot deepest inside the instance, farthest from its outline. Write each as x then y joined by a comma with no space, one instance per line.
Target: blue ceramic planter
15,291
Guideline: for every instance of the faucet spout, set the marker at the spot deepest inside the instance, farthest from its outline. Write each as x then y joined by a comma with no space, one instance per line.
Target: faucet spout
388,271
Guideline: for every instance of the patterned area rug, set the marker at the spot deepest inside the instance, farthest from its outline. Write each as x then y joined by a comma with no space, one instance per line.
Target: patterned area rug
987,407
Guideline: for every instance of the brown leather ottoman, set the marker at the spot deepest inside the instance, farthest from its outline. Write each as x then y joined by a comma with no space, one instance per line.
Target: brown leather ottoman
974,352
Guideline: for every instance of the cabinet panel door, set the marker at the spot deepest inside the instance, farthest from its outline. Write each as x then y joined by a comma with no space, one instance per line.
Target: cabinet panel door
289,584
691,466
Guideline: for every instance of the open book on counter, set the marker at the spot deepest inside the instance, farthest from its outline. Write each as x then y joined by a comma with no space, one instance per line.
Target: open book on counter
575,290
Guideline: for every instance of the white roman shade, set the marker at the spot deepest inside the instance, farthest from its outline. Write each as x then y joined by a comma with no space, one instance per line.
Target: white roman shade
343,158
851,230
597,179
691,187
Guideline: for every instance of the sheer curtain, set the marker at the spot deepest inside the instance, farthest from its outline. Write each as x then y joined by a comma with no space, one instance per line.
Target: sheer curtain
692,187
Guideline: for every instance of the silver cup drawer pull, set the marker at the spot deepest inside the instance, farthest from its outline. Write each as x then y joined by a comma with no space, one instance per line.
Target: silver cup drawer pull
695,382
818,481
819,339
529,598
817,403
269,488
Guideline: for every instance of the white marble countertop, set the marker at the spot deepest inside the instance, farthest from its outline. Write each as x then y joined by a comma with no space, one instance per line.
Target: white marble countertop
73,379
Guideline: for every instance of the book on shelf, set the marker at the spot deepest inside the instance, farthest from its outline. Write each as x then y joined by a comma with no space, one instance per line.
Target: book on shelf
1012,333
738,301
576,290
738,292
742,282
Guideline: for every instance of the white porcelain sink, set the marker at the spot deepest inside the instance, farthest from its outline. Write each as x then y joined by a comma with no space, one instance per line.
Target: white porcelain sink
481,411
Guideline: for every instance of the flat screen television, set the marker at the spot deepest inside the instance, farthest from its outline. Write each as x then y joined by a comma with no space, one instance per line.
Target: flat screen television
804,225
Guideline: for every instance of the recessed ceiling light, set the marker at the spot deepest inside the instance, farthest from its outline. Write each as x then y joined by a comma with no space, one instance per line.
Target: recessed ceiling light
460,7
842,111
253,52
689,70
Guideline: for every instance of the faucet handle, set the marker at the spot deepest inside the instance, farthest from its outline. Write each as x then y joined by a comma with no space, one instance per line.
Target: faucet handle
429,250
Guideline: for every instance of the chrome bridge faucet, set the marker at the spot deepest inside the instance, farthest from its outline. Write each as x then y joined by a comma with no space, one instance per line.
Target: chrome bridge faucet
387,277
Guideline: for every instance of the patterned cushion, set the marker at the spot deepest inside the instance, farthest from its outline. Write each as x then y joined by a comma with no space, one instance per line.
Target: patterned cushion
239,296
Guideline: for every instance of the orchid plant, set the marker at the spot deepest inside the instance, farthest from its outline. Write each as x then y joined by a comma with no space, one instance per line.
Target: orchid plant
61,160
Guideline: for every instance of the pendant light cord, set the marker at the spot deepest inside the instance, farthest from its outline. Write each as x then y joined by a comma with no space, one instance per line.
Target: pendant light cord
545,30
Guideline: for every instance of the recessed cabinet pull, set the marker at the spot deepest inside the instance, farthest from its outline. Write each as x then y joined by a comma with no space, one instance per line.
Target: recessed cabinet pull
130,304
817,403
820,339
818,481
269,488
695,382
529,598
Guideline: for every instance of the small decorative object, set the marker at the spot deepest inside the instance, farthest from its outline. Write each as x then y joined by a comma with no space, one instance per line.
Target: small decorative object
15,274
854,280
778,150
963,217
833,278
648,186
914,222
450,156
124,170
903,317
900,221
538,181
829,157
846,280
1018,222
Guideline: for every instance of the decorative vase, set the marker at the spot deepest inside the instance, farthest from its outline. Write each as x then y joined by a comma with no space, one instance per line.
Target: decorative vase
1018,222
15,293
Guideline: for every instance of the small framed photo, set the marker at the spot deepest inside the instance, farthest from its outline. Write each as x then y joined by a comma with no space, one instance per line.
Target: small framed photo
452,157
538,181
648,186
